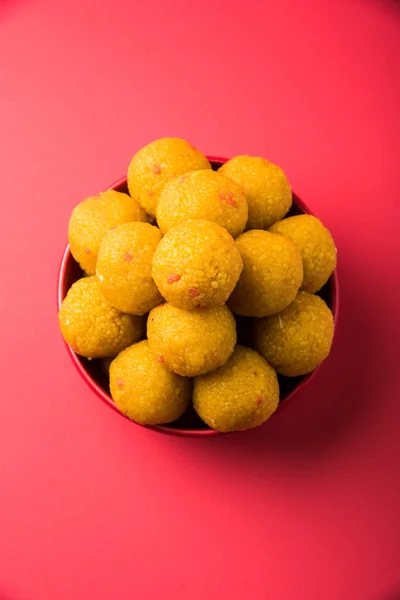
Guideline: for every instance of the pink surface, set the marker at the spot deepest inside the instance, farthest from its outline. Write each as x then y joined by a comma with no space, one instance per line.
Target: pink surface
307,506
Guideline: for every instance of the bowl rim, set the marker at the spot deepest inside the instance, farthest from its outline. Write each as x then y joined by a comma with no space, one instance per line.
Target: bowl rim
107,399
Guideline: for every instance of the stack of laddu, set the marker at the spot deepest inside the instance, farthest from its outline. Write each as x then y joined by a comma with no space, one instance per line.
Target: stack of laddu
179,256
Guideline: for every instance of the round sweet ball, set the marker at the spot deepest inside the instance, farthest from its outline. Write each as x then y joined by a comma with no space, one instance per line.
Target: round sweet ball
151,166
91,326
202,194
191,342
242,394
271,277
196,264
316,246
124,267
144,389
299,338
267,189
92,218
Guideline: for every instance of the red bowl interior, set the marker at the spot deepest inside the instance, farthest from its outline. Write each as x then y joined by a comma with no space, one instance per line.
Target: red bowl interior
189,424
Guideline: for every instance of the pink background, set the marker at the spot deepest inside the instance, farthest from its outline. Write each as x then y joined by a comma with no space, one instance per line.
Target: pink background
306,507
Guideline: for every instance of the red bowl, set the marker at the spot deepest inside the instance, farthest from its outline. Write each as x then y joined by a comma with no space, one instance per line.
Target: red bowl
189,424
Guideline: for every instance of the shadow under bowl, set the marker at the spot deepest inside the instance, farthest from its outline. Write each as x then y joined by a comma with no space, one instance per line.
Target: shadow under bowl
189,424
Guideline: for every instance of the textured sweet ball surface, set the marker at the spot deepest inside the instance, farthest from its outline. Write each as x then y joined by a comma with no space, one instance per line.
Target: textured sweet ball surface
242,394
202,194
191,342
153,164
92,218
271,277
124,267
316,246
299,338
196,264
267,189
145,390
91,326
